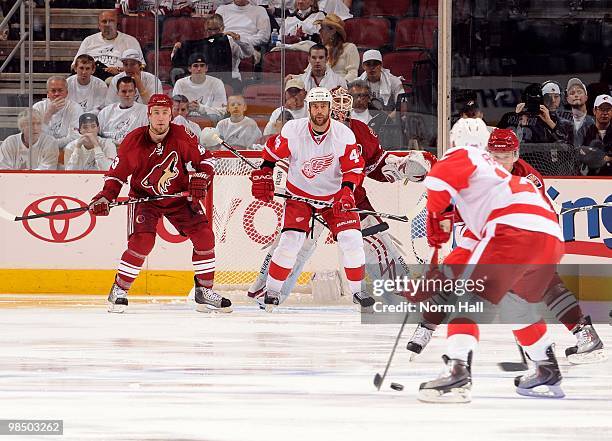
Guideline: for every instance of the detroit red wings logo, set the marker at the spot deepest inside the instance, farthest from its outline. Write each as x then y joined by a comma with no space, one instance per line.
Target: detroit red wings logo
160,177
314,166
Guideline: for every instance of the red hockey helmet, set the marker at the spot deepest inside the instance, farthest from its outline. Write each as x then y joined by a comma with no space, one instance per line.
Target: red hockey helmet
159,99
503,140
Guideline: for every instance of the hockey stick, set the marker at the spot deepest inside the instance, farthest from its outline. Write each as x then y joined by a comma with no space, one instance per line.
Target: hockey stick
587,208
111,205
378,379
513,366
353,210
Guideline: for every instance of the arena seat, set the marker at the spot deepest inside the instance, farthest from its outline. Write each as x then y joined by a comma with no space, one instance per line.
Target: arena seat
368,33
388,8
400,63
415,33
183,28
295,63
141,28
165,64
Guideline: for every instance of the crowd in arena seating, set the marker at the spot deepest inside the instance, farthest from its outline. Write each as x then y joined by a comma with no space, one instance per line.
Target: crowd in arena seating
210,50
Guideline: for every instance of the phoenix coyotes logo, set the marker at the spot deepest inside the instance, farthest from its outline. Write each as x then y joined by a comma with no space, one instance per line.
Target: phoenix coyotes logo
314,166
160,177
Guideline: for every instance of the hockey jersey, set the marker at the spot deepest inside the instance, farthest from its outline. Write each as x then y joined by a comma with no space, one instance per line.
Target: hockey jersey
486,194
318,164
156,169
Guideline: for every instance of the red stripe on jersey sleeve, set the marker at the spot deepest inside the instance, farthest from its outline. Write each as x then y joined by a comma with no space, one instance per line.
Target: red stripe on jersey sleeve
276,148
351,164
454,169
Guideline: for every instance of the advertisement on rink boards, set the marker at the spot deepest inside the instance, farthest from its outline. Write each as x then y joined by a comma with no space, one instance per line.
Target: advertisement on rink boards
79,253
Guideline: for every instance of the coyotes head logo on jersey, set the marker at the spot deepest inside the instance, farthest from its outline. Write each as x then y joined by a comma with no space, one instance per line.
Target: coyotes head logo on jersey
316,165
160,177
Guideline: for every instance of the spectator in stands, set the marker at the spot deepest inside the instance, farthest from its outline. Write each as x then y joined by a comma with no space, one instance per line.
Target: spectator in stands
60,115
248,21
362,96
318,73
238,130
300,24
343,57
107,46
222,49
295,95
118,119
551,92
206,94
534,123
83,88
147,84
576,93
30,149
466,105
339,7
166,7
90,151
383,84
180,115
598,138
278,124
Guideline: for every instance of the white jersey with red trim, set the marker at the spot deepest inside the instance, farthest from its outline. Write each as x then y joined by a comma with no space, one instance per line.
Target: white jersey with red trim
318,164
486,194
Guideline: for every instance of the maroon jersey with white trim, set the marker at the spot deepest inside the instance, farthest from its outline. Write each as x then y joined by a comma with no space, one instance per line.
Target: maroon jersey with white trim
157,169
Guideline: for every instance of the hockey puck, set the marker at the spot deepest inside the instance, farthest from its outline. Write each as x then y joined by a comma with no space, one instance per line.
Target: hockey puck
397,386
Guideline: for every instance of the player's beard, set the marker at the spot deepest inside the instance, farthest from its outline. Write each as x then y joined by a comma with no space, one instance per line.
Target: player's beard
159,131
320,120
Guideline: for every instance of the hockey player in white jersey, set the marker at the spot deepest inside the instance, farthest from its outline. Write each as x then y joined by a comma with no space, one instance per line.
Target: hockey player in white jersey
518,244
324,165
384,256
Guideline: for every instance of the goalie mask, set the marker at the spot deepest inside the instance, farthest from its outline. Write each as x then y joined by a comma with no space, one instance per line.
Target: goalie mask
469,132
341,105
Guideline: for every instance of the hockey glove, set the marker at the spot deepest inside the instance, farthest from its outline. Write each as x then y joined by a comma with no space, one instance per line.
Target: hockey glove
414,166
439,227
262,187
99,206
343,200
199,183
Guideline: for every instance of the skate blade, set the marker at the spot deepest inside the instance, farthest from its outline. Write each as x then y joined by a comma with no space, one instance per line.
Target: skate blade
205,308
543,391
455,395
117,309
268,307
596,356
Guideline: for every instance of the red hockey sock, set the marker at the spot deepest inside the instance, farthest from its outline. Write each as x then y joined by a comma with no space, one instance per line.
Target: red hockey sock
204,267
129,268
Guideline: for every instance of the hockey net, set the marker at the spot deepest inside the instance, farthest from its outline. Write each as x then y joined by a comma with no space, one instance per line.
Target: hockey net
551,159
245,227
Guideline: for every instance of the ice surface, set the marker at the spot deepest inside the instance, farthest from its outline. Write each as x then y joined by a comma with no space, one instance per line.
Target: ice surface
162,371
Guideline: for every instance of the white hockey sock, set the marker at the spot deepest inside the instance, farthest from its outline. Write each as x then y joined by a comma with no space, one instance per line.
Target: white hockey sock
460,345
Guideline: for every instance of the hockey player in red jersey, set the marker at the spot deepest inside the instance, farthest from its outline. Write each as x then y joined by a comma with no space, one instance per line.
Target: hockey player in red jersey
518,244
503,145
324,165
157,158
381,166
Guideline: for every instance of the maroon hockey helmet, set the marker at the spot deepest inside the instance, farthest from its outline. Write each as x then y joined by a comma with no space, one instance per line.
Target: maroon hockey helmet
503,140
159,99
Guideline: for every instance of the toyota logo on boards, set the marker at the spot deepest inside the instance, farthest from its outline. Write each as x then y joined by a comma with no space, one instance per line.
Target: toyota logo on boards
60,228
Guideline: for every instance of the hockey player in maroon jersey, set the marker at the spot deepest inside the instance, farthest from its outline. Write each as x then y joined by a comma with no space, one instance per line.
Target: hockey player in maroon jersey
503,145
157,157
382,253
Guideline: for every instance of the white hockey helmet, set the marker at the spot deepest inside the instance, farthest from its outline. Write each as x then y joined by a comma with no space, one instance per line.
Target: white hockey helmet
469,132
319,94
342,104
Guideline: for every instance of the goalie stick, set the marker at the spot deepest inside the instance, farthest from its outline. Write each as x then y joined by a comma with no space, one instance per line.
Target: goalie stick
379,379
111,205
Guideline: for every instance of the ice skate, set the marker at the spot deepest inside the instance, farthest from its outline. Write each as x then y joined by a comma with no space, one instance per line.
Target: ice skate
420,339
117,299
271,300
209,301
363,299
545,382
258,296
454,385
589,347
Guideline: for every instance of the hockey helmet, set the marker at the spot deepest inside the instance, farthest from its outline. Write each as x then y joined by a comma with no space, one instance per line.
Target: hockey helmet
341,105
469,132
503,140
319,94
